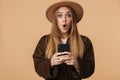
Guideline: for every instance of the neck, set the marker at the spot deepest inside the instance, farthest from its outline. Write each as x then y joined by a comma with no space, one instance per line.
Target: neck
64,36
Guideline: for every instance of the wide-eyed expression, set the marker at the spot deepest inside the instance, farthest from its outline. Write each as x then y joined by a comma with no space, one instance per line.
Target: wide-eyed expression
64,19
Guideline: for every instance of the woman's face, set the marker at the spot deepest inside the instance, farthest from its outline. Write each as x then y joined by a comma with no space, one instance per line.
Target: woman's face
64,19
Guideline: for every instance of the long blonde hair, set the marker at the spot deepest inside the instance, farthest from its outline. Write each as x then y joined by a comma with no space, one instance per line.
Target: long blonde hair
75,41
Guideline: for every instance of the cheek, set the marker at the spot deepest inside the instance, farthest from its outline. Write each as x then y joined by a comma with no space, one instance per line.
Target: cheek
70,22
59,22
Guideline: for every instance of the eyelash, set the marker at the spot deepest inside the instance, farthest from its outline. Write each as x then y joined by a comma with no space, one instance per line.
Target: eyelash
69,15
60,15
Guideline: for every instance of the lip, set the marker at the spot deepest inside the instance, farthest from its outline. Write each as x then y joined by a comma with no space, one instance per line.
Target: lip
64,25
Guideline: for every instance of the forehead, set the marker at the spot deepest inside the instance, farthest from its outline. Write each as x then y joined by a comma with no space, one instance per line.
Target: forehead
63,9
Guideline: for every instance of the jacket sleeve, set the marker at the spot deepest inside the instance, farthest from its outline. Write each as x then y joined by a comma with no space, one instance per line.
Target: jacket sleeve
41,64
87,63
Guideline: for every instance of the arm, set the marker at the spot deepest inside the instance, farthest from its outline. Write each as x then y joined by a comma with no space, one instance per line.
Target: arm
43,65
87,63
82,67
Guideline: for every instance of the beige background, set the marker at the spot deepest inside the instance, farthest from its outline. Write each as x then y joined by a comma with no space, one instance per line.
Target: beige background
23,22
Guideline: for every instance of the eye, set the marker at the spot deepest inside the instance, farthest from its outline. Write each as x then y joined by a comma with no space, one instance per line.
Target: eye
68,15
59,15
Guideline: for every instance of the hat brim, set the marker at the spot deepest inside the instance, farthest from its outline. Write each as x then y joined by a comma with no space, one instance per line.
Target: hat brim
75,6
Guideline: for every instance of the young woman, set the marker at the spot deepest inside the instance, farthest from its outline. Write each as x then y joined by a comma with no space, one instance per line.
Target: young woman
77,60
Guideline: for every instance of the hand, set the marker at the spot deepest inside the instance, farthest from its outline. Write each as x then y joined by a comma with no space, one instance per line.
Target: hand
64,57
56,59
71,60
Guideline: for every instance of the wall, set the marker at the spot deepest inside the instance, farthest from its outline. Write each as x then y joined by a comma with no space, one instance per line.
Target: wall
23,22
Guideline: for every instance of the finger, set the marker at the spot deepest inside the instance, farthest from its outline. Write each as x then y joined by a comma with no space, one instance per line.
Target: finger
61,59
68,62
67,58
65,53
57,58
55,61
58,61
58,54
70,54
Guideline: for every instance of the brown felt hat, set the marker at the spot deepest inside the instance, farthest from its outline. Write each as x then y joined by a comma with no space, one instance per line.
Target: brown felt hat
75,6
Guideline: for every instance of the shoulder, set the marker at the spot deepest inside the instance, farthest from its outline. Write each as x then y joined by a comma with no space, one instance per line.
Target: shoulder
44,39
45,36
86,40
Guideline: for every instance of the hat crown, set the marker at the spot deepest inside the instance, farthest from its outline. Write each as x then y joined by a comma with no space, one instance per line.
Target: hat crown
75,6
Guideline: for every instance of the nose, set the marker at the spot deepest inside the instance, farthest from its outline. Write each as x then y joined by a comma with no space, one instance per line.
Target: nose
64,19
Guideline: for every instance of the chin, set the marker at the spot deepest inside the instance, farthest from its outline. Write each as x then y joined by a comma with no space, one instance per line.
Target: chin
64,31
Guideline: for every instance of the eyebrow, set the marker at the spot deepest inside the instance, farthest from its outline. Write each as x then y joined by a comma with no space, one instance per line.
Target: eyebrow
61,12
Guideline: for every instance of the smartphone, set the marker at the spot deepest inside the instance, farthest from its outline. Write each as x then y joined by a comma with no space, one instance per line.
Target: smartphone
63,47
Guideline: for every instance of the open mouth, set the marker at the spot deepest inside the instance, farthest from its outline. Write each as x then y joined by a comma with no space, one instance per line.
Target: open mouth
64,25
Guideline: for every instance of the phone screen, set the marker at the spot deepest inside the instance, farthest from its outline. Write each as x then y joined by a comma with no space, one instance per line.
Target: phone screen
63,47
